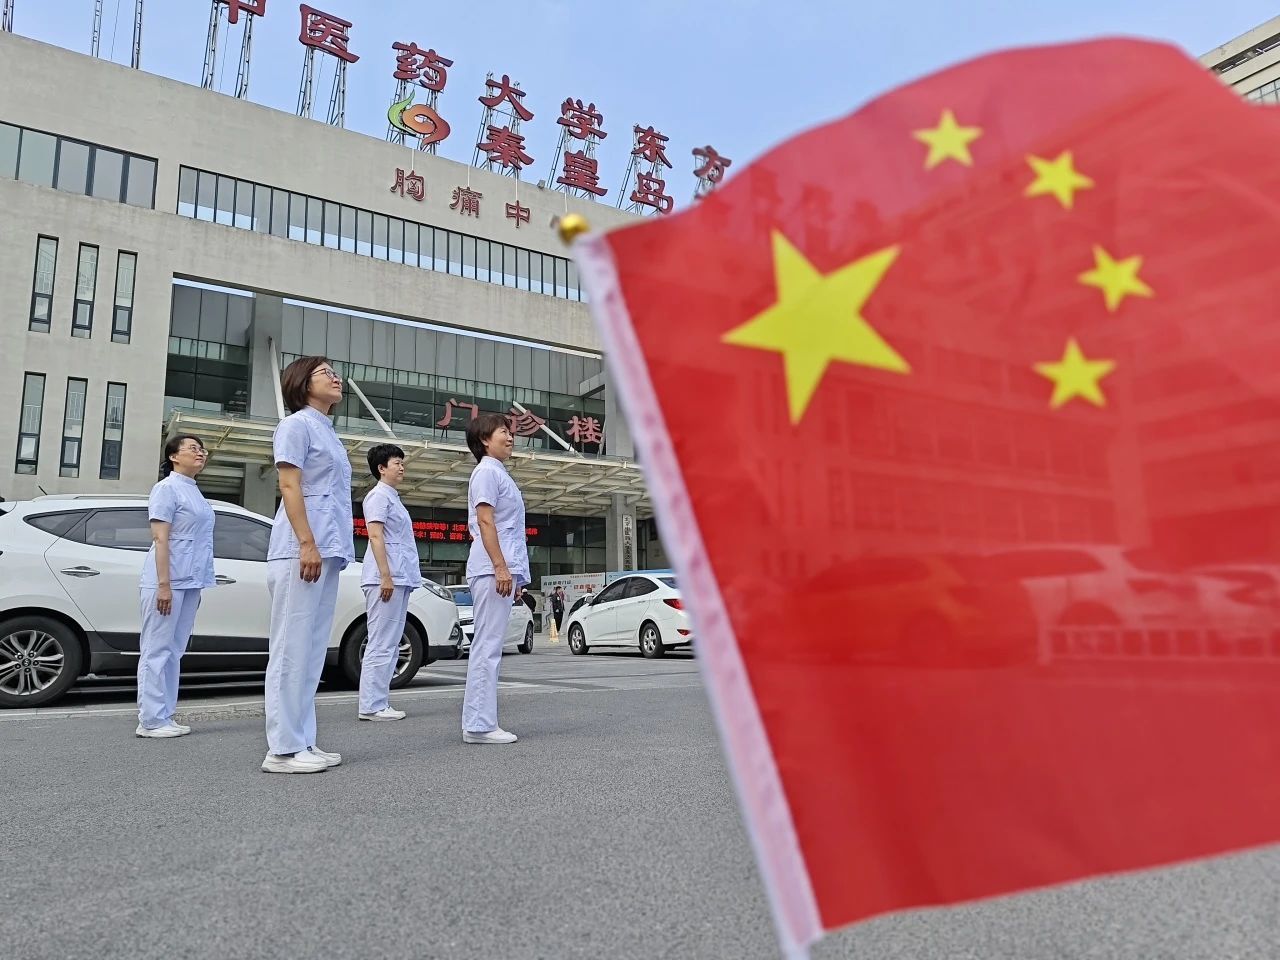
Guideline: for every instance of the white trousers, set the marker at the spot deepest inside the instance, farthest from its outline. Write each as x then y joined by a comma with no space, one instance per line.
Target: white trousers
492,613
161,646
386,628
301,621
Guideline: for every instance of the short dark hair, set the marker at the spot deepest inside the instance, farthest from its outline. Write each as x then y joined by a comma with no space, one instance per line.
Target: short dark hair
172,447
295,381
481,429
379,456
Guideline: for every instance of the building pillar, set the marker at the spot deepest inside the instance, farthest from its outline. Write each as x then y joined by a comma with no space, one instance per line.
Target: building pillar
260,491
268,327
620,541
617,433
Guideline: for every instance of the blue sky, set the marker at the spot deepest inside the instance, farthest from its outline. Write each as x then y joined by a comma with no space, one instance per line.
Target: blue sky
738,75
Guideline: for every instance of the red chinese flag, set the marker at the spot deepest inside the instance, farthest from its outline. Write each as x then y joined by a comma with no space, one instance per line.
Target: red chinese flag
960,417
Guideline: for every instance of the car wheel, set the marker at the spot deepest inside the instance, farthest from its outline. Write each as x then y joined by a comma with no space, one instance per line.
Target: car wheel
527,646
577,640
651,641
408,658
456,640
40,658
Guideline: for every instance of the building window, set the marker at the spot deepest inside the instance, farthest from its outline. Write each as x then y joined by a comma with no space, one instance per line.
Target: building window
122,317
140,183
36,159
108,173
113,432
29,424
308,219
73,167
86,284
76,167
42,284
73,427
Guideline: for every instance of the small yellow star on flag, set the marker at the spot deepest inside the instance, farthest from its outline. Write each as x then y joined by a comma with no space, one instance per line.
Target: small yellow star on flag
1115,278
1076,376
948,141
818,319
1057,177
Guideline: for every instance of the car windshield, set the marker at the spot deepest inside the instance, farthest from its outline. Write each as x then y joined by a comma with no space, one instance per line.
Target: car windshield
462,598
668,582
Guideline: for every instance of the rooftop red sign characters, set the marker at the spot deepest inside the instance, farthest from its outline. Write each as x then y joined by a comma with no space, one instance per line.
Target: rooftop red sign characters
581,122
325,33
423,67
713,164
651,146
509,93
257,8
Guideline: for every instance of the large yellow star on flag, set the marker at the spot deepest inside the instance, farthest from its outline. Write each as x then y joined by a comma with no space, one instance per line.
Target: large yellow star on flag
818,319
1076,376
1057,177
1116,279
948,141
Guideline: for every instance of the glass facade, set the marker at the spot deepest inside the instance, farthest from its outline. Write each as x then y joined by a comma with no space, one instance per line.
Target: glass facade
76,166
203,195
209,366
416,378
558,544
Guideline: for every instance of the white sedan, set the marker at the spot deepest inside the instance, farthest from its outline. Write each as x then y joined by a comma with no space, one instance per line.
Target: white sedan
519,627
69,571
641,610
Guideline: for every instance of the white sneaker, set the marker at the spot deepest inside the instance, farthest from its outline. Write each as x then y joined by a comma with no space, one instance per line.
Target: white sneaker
302,762
497,735
181,726
164,732
330,759
386,713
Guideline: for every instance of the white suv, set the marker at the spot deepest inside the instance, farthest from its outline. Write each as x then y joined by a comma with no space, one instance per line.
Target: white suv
519,627
69,571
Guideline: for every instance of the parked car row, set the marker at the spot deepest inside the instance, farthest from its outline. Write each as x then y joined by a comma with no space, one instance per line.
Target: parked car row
519,627
69,570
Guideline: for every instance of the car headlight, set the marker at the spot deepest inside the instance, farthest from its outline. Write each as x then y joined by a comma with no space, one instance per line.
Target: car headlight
438,590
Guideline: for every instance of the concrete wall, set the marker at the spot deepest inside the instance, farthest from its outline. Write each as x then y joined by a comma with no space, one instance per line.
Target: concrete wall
182,125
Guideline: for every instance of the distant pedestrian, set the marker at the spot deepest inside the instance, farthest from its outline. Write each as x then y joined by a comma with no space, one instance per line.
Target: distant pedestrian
177,567
389,575
557,606
528,600
497,565
311,543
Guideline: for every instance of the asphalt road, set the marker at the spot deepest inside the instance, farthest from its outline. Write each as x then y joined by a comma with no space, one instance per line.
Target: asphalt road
611,829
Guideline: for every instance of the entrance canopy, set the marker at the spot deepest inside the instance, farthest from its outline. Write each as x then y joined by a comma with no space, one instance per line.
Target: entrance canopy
436,472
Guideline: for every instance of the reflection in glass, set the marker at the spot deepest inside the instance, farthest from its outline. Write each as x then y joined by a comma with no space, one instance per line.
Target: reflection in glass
108,174
35,164
73,167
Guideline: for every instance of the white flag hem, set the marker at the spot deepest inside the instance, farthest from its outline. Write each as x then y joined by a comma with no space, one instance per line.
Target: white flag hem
751,761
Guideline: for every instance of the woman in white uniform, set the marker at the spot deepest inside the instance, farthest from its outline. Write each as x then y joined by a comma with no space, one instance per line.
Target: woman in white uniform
311,542
178,566
497,565
389,574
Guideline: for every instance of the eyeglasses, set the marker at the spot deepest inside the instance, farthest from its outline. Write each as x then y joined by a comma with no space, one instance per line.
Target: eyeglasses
193,448
327,372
